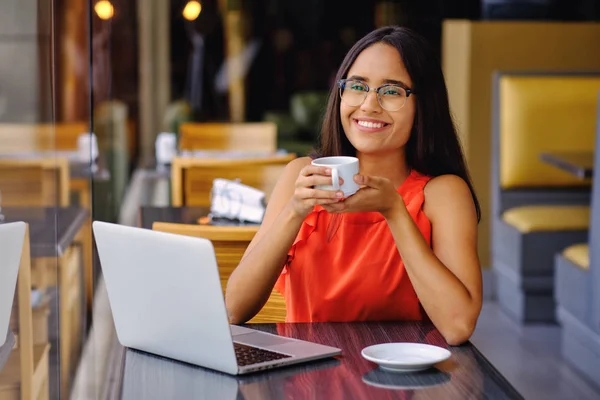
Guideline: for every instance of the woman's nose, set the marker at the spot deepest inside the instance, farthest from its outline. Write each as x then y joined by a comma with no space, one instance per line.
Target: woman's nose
371,103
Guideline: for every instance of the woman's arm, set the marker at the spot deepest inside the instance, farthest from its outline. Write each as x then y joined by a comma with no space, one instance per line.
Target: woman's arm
446,277
251,283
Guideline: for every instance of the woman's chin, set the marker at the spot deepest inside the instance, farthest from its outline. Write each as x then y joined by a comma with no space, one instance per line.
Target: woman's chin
369,147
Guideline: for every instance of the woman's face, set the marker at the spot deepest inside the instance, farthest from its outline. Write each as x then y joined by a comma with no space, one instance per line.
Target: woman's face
369,127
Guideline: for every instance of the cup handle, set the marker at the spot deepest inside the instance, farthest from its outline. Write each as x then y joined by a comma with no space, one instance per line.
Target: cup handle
335,179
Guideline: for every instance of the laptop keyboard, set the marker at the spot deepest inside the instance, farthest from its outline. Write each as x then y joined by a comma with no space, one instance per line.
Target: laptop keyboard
248,355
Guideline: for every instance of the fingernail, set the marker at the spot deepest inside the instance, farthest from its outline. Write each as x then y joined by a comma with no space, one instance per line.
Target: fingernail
339,194
358,178
328,171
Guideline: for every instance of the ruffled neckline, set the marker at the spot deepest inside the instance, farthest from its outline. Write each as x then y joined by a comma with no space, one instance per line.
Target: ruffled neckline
365,218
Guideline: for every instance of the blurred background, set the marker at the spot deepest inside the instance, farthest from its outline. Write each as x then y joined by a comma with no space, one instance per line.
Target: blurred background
126,111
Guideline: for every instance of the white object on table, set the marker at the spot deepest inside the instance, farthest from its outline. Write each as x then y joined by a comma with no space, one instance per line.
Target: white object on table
87,147
234,200
165,147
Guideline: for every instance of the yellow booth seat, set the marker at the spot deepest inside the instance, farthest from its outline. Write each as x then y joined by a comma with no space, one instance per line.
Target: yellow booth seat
545,218
578,254
541,113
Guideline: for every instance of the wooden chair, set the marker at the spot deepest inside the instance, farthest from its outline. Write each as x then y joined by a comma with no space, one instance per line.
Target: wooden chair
65,273
230,243
35,182
25,374
17,138
45,183
192,178
250,136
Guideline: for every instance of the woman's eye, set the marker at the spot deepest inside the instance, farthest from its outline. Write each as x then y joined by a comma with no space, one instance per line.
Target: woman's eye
392,92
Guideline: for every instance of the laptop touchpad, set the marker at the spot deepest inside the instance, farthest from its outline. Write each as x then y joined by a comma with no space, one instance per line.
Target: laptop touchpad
262,340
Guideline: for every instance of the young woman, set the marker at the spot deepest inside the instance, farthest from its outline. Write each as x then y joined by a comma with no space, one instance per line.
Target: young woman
404,247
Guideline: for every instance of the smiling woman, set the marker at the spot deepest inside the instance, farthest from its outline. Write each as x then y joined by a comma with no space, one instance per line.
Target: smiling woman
401,248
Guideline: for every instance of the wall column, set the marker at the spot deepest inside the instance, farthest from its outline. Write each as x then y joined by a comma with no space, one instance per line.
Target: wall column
154,70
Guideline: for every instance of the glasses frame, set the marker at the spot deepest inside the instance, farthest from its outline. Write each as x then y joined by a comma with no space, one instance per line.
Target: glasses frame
342,83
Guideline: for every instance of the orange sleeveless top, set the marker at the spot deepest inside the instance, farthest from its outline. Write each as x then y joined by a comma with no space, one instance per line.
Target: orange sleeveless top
357,273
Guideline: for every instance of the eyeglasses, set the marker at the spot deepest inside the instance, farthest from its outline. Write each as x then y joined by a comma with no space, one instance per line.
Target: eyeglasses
391,97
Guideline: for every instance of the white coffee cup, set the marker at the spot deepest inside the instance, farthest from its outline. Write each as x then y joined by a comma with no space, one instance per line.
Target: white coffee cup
341,167
87,147
166,147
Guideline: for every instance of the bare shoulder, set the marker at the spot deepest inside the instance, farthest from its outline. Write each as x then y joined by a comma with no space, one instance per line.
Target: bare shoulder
448,194
293,168
447,185
296,165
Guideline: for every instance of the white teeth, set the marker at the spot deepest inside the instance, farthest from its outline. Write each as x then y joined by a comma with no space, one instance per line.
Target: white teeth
368,124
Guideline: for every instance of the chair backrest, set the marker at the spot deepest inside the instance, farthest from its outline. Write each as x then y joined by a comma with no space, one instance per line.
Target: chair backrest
32,365
39,182
19,184
192,178
535,113
16,138
249,136
230,243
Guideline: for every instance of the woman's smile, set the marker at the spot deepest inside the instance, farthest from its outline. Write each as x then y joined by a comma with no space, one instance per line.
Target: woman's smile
370,124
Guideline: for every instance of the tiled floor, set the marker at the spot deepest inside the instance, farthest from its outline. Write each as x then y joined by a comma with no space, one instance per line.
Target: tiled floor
529,357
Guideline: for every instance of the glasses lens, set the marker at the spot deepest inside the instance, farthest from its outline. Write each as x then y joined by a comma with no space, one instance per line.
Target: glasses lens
392,97
353,93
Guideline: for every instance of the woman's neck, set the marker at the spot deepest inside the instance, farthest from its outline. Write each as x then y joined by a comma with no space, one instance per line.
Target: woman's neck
386,165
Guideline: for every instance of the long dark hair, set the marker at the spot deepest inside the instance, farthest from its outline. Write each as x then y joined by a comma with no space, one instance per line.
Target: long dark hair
433,147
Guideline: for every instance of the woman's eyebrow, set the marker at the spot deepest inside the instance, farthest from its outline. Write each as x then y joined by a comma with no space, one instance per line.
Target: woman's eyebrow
358,78
393,81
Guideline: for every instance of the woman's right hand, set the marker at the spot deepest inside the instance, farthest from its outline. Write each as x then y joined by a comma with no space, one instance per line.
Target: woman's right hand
306,196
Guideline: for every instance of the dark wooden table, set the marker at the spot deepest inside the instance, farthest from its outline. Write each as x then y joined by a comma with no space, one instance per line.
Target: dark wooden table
466,375
181,215
6,348
580,164
51,229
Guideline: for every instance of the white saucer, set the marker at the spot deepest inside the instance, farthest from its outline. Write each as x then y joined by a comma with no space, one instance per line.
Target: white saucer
405,357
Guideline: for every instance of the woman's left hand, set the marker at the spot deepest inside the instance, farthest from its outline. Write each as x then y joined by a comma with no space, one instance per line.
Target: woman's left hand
376,194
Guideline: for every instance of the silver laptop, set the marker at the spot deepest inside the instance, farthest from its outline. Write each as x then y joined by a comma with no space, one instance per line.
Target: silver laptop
12,236
166,298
